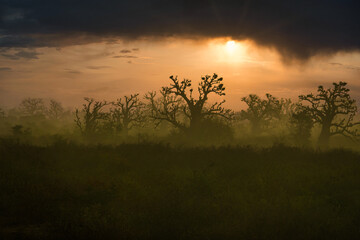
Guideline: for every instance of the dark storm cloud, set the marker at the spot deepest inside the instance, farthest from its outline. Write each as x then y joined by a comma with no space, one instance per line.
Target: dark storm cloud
296,28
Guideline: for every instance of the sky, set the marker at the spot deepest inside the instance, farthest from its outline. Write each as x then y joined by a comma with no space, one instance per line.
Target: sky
68,50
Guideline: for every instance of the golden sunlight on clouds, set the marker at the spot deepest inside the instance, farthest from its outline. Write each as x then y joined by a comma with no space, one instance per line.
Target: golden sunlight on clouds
228,51
108,71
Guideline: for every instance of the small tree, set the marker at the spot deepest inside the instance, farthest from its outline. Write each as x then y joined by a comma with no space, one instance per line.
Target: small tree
301,124
89,117
19,131
55,110
127,113
178,98
260,112
334,110
33,106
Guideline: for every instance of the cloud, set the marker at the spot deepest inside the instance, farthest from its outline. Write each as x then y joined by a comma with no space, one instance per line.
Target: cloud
5,69
97,67
125,56
125,51
68,70
22,54
349,67
296,28
27,55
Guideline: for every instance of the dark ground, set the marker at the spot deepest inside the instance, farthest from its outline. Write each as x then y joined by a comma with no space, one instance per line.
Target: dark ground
146,191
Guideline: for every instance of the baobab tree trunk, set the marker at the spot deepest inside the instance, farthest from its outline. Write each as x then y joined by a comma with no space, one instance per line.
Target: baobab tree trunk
195,121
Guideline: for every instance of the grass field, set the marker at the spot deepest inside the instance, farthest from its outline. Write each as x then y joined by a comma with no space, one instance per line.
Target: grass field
149,191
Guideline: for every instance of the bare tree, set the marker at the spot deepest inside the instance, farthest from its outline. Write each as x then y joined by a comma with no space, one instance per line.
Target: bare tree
260,112
127,113
55,110
32,106
178,99
334,110
166,108
89,117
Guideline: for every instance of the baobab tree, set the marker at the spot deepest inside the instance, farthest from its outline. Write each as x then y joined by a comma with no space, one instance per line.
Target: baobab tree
260,112
166,108
90,116
177,102
334,110
127,113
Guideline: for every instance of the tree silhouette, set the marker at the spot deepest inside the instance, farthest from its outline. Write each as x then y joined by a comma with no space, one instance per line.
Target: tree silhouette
178,98
334,110
33,106
166,108
55,110
90,116
301,124
19,131
260,112
127,113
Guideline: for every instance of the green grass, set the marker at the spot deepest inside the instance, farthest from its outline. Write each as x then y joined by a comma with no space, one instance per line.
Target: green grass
146,191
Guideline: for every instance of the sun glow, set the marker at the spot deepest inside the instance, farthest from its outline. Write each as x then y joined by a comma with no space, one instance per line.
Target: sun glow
229,51
231,46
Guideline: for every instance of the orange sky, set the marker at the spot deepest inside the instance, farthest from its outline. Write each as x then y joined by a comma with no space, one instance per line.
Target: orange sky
110,70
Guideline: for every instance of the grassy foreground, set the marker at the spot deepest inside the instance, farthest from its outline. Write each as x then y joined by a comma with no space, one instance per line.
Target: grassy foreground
146,191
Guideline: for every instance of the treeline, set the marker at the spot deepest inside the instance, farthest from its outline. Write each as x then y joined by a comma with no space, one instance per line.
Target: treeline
182,111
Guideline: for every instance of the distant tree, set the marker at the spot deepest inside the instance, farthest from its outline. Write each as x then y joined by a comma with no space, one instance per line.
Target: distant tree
88,119
260,112
301,124
334,110
287,107
127,113
32,107
20,131
55,110
177,102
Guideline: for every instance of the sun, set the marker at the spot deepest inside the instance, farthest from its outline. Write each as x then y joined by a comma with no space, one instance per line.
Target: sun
228,51
231,46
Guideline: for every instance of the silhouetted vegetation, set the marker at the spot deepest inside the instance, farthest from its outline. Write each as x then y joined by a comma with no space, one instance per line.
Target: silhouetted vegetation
90,118
174,164
334,110
182,114
178,106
